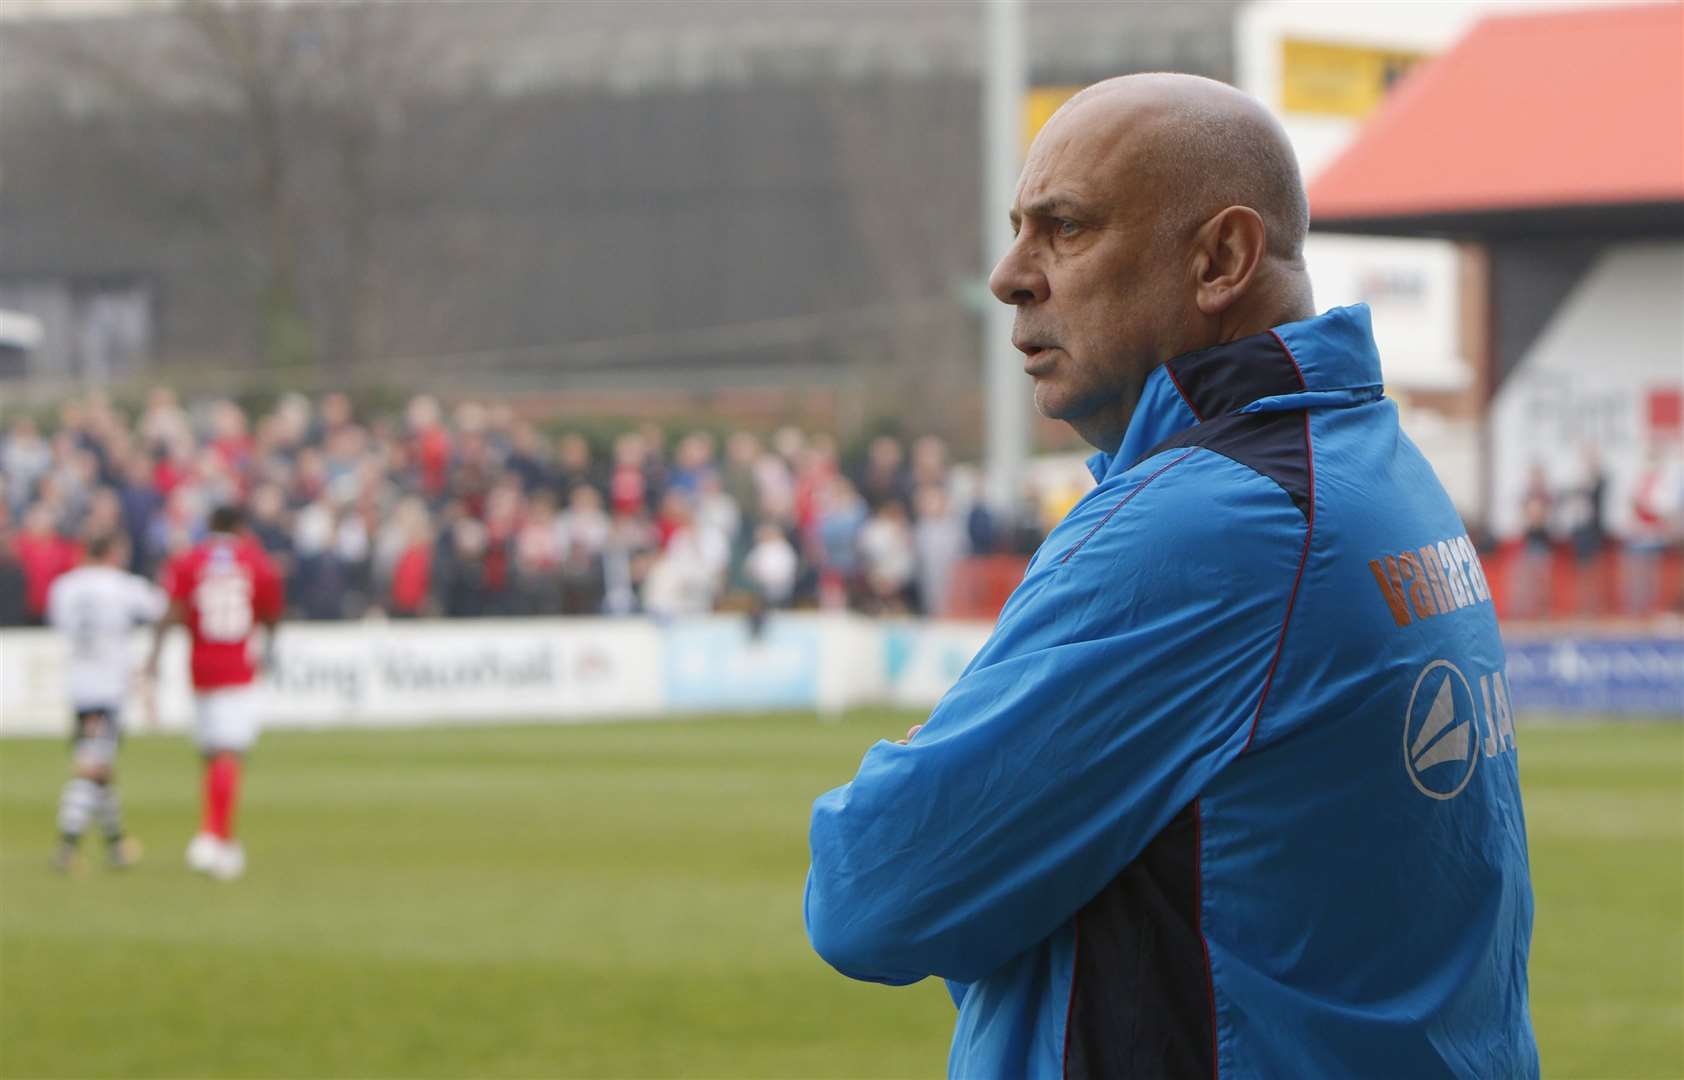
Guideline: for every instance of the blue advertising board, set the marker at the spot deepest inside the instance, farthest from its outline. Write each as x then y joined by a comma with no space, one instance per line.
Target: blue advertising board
1598,674
720,663
922,660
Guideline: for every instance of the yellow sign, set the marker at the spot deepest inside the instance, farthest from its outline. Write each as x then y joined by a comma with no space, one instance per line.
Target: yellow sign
1038,106
1339,80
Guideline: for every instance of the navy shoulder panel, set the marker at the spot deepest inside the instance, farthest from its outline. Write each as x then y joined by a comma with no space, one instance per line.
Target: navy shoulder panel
1225,378
1275,444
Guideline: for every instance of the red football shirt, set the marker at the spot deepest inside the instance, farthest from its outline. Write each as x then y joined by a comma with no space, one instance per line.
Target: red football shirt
227,586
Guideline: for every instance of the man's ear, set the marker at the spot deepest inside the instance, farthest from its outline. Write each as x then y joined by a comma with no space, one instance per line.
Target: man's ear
1227,250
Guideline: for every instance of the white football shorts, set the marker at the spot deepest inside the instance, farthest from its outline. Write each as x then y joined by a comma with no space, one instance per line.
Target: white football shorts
95,737
227,718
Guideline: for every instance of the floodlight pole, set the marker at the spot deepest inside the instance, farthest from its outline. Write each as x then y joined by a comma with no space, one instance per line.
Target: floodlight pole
1007,415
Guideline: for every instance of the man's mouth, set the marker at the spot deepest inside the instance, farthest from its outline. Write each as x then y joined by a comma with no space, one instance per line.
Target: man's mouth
1038,357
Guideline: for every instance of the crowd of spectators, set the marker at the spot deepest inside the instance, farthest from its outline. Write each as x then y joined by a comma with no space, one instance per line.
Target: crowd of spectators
1610,573
476,512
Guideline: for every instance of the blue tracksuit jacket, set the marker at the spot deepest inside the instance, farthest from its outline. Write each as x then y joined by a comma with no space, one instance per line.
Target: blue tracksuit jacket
1231,790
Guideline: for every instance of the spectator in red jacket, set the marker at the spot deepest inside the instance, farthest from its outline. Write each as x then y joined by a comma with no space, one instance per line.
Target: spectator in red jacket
412,579
44,555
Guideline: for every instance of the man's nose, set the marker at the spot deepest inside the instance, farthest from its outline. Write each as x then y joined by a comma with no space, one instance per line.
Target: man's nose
1016,279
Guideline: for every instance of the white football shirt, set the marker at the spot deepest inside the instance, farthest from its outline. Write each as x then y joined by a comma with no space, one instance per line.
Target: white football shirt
97,608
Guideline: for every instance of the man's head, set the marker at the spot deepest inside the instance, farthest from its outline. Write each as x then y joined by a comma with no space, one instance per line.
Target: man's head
1156,214
107,549
226,519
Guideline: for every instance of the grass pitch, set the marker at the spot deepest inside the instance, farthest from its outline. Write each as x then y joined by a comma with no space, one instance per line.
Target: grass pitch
626,901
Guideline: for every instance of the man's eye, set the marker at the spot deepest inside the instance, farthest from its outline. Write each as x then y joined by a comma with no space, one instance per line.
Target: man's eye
1066,227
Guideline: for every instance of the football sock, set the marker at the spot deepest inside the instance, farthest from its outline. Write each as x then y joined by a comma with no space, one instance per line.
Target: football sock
110,812
76,806
222,787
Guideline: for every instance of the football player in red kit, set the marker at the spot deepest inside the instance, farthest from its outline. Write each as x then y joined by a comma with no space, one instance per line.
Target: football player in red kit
222,590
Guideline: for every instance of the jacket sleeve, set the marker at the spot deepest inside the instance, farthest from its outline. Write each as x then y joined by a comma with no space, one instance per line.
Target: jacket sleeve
1118,682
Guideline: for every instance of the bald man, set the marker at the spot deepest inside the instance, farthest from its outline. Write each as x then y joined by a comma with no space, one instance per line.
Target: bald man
1231,789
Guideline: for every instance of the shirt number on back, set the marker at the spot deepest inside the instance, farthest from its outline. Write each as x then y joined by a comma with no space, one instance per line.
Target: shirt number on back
224,605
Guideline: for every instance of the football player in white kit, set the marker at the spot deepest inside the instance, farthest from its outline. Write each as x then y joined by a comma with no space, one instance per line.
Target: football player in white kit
97,607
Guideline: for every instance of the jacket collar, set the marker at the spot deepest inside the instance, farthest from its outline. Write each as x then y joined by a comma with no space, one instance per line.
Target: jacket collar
1330,359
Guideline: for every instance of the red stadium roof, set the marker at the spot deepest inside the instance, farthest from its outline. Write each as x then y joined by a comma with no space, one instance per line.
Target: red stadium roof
1562,120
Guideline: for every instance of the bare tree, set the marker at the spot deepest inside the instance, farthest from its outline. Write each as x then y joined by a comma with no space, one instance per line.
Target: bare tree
322,92
905,153
278,125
